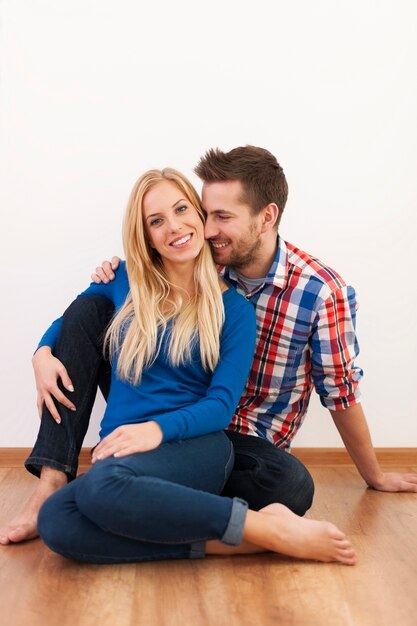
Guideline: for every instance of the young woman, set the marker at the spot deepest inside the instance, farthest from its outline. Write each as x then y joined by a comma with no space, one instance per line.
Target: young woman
181,344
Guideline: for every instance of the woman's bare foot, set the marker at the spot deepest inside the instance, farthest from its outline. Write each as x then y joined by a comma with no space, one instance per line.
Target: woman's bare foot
24,526
278,529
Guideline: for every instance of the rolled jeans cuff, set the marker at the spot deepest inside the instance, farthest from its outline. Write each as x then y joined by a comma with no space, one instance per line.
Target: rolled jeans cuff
234,531
198,550
34,465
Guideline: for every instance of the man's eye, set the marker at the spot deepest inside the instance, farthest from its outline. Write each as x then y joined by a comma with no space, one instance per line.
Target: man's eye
223,217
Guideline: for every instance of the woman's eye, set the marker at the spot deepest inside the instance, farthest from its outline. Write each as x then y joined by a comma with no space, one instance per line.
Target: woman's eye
181,209
156,221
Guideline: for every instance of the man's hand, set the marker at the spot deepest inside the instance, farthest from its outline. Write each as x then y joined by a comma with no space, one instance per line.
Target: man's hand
353,429
105,272
129,439
48,370
396,481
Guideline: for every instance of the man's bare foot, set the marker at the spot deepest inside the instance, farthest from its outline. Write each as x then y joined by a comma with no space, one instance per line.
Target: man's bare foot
278,529
24,526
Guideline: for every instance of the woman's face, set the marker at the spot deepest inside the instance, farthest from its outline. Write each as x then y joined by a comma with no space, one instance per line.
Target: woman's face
172,224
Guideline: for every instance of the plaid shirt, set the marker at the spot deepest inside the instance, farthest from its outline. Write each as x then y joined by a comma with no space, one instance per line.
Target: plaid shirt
305,336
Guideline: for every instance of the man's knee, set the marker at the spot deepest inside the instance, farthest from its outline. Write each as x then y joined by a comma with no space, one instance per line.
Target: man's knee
288,483
300,489
266,475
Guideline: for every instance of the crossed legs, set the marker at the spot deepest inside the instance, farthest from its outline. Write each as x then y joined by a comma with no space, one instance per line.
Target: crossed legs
164,504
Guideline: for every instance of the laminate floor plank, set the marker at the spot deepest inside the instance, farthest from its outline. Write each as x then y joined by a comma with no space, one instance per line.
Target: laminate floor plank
39,588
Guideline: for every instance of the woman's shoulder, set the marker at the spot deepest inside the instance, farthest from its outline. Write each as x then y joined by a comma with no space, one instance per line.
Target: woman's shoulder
239,318
234,302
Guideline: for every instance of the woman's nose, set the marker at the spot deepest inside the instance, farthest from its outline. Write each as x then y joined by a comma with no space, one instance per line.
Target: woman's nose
174,224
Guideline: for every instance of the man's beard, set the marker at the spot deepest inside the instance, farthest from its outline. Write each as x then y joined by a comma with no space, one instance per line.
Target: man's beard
243,255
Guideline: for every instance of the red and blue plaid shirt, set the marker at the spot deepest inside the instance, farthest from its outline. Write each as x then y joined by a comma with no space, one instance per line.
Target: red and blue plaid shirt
305,336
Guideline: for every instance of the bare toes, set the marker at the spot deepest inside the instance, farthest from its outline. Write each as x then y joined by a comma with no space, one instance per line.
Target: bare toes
19,532
4,540
347,556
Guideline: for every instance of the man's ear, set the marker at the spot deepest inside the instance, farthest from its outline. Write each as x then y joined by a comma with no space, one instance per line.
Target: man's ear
269,217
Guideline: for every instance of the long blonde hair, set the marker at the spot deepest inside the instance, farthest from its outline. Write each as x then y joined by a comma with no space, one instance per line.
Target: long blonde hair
135,333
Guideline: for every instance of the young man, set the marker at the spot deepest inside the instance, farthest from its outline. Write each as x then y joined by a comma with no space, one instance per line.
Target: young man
305,338
305,312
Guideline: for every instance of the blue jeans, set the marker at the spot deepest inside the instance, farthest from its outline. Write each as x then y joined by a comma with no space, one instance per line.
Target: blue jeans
262,473
156,505
80,349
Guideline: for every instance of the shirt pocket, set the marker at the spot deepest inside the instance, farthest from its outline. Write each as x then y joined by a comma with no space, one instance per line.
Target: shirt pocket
274,369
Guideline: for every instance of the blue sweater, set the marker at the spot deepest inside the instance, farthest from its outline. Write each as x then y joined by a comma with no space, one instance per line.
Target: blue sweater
185,401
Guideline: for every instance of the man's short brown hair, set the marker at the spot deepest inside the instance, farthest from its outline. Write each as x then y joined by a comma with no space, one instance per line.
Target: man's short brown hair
258,171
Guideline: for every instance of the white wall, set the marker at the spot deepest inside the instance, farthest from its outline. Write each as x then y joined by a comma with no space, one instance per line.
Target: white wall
93,92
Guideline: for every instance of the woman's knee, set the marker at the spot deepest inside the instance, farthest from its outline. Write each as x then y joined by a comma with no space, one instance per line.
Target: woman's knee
53,524
100,486
86,311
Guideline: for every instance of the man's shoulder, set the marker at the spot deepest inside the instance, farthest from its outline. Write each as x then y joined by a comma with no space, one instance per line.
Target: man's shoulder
305,266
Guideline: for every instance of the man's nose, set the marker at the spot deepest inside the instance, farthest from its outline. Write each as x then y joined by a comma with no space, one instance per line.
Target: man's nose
210,229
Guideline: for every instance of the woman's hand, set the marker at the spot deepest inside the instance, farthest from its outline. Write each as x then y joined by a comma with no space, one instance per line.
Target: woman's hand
48,370
129,439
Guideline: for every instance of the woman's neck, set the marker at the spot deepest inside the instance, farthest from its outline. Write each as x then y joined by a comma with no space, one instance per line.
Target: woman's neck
182,278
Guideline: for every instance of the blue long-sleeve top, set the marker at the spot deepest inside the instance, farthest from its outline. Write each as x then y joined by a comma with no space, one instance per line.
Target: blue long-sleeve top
186,401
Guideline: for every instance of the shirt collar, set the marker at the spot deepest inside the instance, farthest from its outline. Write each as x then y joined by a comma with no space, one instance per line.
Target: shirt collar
278,272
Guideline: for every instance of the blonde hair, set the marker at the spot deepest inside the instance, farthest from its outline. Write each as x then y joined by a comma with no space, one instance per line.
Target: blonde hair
136,332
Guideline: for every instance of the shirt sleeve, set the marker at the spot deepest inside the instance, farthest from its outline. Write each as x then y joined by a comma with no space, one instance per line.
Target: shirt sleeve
105,290
334,348
215,410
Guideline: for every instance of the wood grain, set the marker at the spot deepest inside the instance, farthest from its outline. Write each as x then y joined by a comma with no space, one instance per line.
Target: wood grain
39,588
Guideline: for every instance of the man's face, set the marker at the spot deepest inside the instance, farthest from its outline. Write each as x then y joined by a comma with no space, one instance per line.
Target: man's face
231,229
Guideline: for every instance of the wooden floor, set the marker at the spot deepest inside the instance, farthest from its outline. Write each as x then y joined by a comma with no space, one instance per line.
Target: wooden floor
37,587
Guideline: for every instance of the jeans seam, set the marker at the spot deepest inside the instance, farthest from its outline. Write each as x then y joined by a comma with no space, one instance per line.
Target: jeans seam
115,559
228,466
178,541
